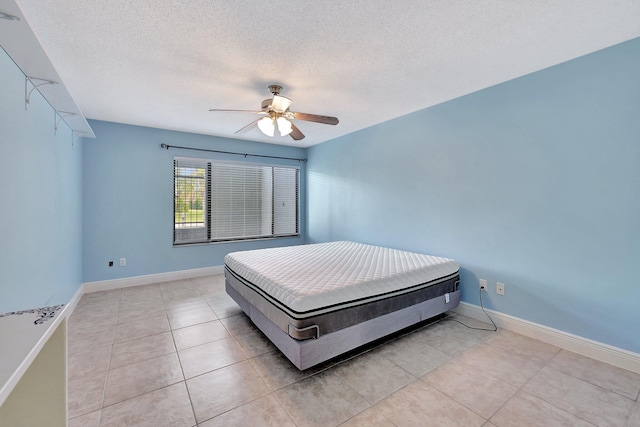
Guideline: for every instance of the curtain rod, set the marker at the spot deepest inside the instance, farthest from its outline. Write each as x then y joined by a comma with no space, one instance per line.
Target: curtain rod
167,146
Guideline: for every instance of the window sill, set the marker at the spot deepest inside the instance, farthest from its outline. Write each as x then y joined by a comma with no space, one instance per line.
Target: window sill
217,242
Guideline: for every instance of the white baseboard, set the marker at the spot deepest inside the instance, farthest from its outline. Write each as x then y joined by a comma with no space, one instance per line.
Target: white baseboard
577,344
127,282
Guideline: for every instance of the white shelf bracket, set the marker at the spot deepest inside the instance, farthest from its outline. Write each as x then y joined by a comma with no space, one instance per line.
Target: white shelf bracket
75,133
33,80
60,115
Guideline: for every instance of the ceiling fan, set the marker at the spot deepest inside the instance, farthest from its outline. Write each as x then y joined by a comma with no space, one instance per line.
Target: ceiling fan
277,116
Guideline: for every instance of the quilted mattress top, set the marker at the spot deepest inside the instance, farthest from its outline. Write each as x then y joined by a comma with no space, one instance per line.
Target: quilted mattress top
308,277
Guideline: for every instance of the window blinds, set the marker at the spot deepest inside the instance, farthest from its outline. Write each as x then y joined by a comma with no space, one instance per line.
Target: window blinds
285,201
240,201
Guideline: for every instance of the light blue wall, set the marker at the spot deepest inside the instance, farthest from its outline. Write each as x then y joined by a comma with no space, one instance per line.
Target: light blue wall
41,194
534,183
128,200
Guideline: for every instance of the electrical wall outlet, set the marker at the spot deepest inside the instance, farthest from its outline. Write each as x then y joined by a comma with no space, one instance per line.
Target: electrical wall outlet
483,285
500,288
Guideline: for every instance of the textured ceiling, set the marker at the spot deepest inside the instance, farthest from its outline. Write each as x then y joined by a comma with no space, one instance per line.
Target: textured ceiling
164,64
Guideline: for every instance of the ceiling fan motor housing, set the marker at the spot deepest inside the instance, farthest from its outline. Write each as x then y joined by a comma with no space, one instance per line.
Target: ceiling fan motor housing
275,89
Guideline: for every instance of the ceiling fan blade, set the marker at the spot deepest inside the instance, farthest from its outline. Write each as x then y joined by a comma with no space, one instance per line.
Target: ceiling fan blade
280,103
248,127
239,111
295,133
328,120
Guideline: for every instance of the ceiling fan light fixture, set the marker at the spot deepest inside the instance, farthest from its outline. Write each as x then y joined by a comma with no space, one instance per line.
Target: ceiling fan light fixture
280,103
278,116
284,126
267,126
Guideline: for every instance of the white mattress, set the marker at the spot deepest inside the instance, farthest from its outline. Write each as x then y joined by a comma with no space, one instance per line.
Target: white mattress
310,279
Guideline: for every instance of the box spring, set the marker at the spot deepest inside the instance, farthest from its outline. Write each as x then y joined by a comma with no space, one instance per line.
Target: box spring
339,318
305,354
315,302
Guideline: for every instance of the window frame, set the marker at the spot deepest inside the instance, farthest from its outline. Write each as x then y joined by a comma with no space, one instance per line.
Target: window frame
209,236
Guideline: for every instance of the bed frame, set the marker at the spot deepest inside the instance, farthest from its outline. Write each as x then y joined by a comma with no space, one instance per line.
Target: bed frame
310,352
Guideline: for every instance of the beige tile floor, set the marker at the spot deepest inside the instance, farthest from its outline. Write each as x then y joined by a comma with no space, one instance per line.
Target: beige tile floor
183,354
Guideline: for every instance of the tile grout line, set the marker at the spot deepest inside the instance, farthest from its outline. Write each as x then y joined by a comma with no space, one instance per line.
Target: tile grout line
184,377
160,388
284,407
453,360
104,385
545,365
521,388
249,359
106,379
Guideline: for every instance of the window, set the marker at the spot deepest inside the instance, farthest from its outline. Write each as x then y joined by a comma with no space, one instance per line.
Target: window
224,201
